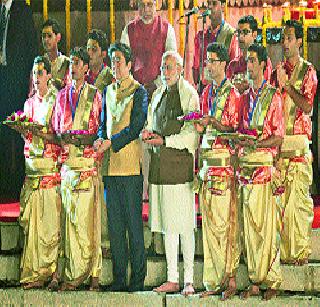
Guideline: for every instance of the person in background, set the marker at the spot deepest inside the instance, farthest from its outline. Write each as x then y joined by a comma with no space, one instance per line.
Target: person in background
218,31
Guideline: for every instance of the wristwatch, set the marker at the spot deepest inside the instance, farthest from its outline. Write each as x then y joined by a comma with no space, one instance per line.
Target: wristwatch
164,141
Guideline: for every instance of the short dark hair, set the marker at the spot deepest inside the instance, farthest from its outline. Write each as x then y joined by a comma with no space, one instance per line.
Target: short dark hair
249,19
51,22
261,52
42,59
298,29
220,50
100,37
123,48
81,52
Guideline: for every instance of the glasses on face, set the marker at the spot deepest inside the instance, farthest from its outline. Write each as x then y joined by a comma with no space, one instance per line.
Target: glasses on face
167,67
244,32
211,61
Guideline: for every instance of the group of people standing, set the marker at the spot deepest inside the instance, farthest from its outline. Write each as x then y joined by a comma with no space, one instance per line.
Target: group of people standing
103,131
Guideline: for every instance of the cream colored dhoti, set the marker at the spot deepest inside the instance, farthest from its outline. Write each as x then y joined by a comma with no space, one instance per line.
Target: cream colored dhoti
219,219
41,224
296,173
260,226
82,205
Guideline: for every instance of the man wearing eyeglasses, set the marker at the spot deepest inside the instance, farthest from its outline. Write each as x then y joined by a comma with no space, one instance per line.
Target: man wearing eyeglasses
148,36
263,125
51,37
124,113
172,210
297,80
219,31
237,69
220,108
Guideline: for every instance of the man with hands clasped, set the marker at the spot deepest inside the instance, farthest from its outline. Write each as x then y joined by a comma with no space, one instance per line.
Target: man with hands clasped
172,210
124,111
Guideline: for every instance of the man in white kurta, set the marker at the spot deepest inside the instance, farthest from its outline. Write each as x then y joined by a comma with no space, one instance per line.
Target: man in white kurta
171,170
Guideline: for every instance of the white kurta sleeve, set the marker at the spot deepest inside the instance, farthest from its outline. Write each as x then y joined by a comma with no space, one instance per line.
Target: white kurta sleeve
125,36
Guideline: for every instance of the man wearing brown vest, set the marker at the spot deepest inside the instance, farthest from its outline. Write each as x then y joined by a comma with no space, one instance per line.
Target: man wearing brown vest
172,210
123,116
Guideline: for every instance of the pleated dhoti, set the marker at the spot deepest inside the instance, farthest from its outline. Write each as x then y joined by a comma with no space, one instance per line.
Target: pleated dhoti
298,211
82,205
40,221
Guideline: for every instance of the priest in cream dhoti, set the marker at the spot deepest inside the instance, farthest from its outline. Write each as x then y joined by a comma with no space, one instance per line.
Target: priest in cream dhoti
297,79
263,119
40,201
220,111
172,208
78,109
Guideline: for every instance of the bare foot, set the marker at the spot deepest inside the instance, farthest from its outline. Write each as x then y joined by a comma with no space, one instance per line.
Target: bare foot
269,294
231,289
303,261
188,289
67,287
228,293
33,285
168,287
53,285
209,293
252,291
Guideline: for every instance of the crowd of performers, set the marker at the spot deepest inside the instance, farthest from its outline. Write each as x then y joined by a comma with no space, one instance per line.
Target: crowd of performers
254,162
